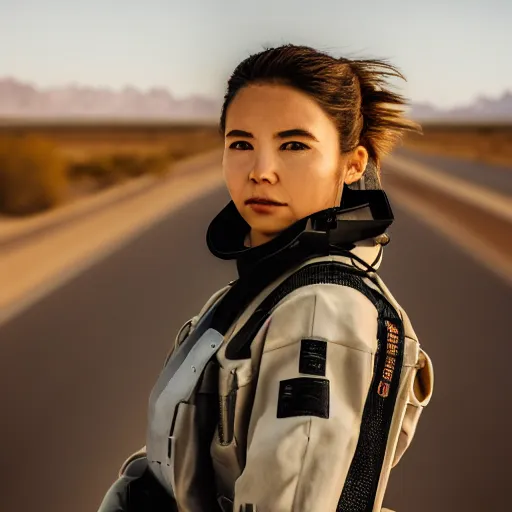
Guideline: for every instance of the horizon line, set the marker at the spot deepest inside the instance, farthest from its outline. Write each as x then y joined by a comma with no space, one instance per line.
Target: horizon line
145,90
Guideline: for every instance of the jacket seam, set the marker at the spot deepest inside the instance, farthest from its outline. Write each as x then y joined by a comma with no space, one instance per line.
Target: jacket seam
311,334
327,341
312,327
303,464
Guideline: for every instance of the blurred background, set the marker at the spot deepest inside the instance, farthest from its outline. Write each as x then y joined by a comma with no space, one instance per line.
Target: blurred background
110,173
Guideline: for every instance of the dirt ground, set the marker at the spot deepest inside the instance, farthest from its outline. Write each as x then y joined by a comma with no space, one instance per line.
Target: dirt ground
79,140
488,143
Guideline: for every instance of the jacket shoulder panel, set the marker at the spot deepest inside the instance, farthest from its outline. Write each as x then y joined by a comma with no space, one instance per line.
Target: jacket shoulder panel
323,273
338,314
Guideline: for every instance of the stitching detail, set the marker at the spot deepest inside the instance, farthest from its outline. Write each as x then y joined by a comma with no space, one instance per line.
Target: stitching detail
295,342
312,325
303,464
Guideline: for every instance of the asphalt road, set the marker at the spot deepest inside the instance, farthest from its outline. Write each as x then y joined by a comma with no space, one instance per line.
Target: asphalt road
77,368
497,178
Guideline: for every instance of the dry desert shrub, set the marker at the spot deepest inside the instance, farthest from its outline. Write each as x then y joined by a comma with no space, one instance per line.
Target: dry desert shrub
33,175
111,169
37,173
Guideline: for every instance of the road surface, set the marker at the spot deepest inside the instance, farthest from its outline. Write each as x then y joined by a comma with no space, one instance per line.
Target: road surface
77,368
497,178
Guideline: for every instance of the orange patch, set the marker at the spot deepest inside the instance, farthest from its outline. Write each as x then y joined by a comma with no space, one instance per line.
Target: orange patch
391,354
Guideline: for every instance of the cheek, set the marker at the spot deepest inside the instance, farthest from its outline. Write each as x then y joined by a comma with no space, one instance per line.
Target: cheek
234,179
314,184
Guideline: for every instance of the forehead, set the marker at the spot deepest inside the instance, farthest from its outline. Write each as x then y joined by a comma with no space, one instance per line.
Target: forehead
274,106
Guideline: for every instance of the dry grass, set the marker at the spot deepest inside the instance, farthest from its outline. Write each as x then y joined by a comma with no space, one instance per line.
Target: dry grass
483,142
43,165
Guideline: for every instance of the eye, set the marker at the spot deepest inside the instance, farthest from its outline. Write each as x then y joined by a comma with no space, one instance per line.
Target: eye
294,146
240,145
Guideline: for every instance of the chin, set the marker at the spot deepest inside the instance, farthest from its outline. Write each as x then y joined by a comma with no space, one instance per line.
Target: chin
270,224
270,227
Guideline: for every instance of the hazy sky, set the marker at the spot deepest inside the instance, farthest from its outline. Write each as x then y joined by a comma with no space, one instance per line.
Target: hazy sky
450,51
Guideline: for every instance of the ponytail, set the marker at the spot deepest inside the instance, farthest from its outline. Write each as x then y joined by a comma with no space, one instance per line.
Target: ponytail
382,123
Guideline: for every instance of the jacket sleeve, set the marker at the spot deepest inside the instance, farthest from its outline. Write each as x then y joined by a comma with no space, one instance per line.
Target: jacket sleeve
315,372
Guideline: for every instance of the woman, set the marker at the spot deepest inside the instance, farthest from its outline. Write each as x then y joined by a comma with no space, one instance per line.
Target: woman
298,386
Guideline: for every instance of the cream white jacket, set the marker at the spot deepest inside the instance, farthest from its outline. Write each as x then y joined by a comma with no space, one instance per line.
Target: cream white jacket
284,443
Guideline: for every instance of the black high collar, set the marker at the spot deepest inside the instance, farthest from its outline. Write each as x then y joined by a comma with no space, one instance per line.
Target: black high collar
362,214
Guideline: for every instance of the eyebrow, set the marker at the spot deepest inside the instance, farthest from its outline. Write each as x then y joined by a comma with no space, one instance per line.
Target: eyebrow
294,132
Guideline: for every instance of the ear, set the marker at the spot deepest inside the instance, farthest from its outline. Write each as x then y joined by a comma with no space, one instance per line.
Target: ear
356,165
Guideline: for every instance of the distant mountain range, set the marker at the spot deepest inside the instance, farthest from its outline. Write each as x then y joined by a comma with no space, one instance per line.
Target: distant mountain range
19,99
482,108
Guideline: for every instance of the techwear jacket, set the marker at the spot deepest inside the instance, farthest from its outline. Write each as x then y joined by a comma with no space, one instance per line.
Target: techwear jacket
306,408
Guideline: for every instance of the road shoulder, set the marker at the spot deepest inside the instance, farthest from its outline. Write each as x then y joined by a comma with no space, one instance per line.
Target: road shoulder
30,271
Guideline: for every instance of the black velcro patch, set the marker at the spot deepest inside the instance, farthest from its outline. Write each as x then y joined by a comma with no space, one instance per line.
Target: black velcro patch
303,396
313,354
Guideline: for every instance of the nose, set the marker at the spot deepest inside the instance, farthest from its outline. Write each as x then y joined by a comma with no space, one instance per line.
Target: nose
264,170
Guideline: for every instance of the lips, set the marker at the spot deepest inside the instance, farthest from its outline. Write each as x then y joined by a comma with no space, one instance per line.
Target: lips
264,201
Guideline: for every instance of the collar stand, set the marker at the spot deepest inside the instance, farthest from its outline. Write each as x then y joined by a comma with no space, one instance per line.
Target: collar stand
362,215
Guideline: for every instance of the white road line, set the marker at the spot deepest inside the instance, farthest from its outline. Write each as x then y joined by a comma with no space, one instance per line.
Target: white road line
480,197
468,241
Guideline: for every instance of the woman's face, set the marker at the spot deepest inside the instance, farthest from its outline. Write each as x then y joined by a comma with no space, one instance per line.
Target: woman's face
282,159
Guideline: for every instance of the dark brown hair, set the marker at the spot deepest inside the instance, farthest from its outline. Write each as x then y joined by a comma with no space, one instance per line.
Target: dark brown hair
353,93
